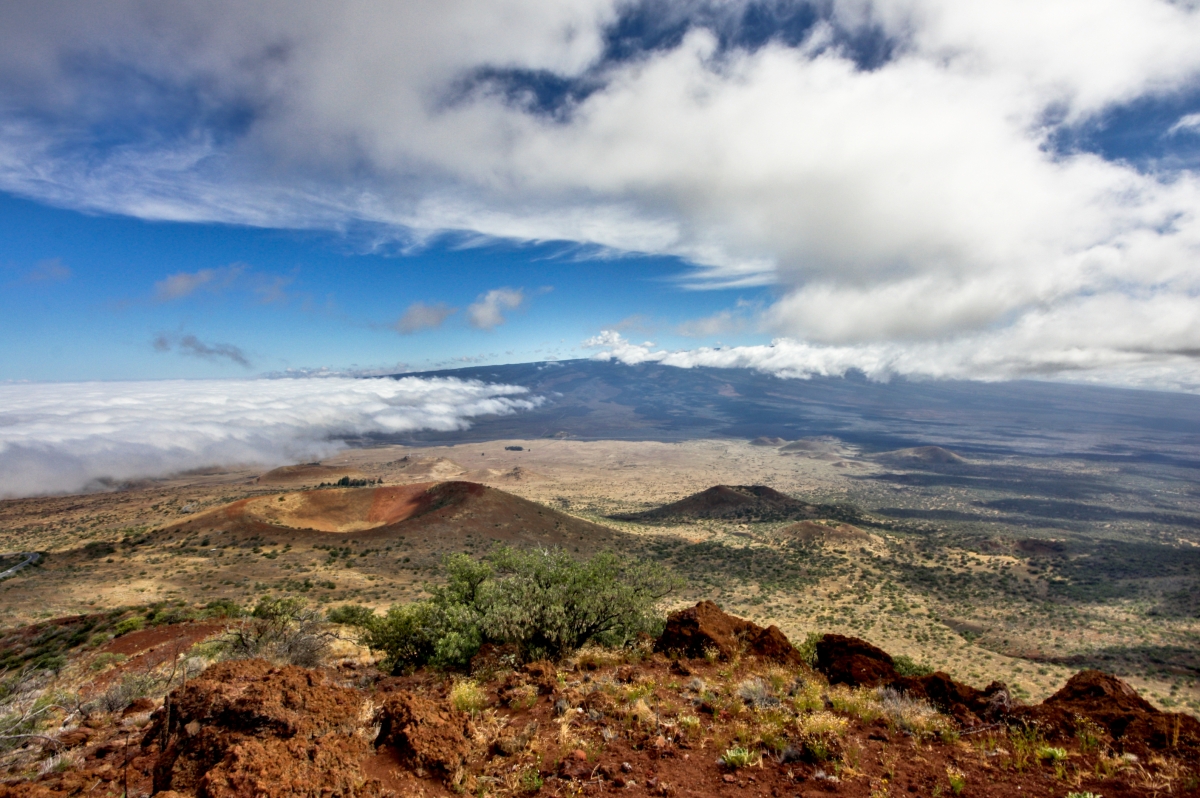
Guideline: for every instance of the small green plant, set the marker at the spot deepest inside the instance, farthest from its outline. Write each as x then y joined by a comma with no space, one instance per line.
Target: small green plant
1084,795
467,696
1025,741
1088,733
531,780
957,779
740,757
690,724
1051,754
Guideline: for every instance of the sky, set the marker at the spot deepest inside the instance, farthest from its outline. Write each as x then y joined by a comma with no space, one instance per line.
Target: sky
230,190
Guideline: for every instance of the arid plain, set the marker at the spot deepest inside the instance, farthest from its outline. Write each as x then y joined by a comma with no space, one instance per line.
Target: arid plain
989,567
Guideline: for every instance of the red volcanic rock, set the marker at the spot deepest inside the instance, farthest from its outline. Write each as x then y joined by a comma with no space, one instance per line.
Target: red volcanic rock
207,726
706,627
772,644
1132,721
423,733
848,660
855,662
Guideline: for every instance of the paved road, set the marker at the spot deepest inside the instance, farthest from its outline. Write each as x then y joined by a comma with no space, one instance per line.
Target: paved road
30,558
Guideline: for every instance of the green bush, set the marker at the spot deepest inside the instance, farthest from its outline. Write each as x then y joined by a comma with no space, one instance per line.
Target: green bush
545,602
907,666
129,625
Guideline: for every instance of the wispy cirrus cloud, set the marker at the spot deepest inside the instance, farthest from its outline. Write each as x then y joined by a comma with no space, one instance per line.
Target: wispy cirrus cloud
184,284
68,437
51,270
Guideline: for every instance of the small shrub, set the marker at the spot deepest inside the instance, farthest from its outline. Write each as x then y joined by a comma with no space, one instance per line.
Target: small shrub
907,666
545,603
911,715
808,649
129,625
355,615
690,724
756,694
957,779
102,661
809,697
467,696
1089,734
279,629
740,757
131,687
1083,795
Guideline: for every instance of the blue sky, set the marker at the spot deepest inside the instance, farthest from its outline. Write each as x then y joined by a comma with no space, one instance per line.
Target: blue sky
922,187
83,298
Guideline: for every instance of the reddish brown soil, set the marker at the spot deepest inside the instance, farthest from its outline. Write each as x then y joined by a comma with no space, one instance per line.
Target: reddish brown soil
148,649
250,729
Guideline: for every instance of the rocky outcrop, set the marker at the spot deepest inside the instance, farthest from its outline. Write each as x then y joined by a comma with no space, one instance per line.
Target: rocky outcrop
704,628
247,722
857,663
424,734
1132,722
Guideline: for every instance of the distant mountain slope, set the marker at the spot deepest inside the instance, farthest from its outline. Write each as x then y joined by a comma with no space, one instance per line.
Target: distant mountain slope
590,399
757,502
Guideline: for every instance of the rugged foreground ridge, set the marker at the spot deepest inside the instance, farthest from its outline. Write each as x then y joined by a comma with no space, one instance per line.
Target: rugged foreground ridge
715,706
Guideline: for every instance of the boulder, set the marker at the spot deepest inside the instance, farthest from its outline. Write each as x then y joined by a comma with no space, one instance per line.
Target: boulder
704,628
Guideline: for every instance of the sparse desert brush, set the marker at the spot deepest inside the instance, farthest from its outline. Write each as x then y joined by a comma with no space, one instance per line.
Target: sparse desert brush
60,763
809,697
757,694
910,714
779,679
641,713
523,697
690,724
822,723
467,696
859,702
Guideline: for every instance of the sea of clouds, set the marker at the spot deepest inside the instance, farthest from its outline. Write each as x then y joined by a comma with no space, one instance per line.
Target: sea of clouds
71,437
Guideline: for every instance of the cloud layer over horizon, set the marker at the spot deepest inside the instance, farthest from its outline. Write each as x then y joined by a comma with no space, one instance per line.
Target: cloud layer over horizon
71,437
915,177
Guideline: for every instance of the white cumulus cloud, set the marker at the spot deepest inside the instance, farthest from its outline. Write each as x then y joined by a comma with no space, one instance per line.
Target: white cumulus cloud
68,437
1133,347
488,311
